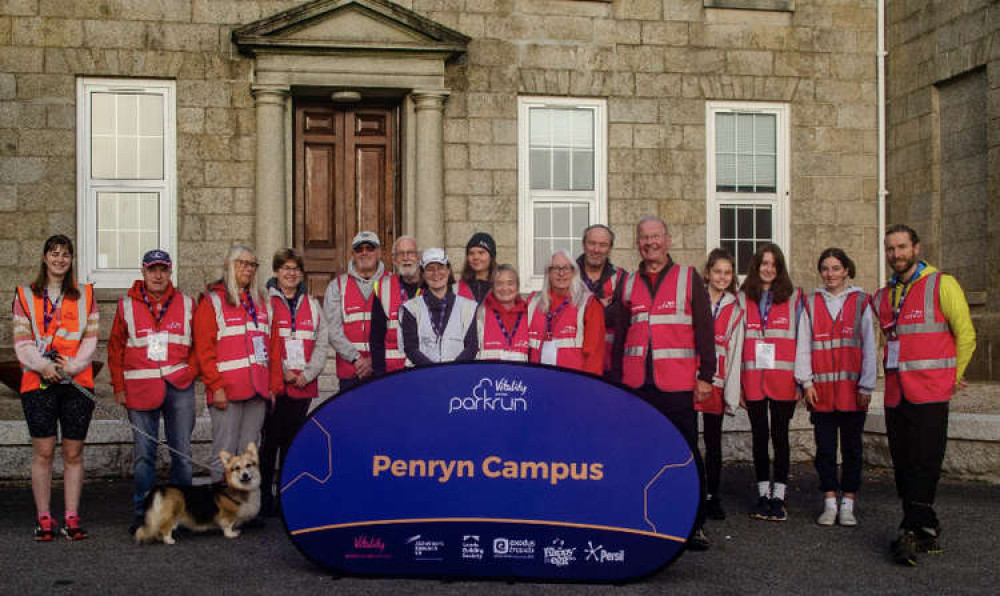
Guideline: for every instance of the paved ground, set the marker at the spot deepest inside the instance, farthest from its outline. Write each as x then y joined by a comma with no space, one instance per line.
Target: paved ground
749,557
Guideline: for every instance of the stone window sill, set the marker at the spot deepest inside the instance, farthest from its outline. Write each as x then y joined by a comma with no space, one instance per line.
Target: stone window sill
774,5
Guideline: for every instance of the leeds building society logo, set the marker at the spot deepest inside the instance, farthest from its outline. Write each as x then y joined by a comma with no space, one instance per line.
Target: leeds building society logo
505,548
557,554
426,550
600,554
493,395
471,549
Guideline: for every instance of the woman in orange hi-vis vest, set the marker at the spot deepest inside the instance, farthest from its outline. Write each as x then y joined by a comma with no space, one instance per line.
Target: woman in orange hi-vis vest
55,335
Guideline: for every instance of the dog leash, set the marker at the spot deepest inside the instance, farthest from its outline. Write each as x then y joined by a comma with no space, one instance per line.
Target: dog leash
107,409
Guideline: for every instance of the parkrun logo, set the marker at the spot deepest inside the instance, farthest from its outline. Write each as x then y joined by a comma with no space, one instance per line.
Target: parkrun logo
492,395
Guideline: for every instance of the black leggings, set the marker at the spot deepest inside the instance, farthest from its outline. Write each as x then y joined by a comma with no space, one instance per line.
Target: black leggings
280,427
781,416
712,436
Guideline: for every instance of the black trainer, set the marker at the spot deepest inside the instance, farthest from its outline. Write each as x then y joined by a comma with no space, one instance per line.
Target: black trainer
904,548
699,541
778,512
762,510
713,509
928,541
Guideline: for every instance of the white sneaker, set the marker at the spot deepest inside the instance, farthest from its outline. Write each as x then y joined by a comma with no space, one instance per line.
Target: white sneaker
828,517
846,517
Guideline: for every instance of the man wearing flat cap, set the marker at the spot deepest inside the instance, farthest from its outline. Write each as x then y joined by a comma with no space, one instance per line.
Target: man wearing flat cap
348,309
152,372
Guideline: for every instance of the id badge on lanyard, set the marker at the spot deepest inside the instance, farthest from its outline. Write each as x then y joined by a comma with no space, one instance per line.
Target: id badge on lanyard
156,349
764,355
295,351
259,349
892,355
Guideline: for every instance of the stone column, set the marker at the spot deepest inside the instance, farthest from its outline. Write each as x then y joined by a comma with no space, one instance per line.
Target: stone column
429,106
270,190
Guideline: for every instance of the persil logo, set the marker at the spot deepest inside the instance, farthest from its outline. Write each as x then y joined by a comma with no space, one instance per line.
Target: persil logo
599,554
493,395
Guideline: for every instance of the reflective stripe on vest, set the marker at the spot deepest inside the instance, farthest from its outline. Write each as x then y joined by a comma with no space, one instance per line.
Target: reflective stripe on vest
567,339
356,314
145,379
927,353
518,348
243,374
836,352
778,382
65,339
307,314
663,324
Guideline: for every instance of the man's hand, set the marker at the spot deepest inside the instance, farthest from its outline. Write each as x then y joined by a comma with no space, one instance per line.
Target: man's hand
363,366
743,400
51,373
812,398
120,398
702,391
300,381
863,400
961,385
219,400
290,376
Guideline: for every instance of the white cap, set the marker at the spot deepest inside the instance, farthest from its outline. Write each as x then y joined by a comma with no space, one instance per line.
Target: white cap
366,237
434,255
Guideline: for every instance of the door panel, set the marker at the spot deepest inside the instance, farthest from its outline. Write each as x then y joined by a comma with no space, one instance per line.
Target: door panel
345,181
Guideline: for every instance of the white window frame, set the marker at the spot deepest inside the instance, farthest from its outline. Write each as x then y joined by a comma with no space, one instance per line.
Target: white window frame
597,199
779,201
88,187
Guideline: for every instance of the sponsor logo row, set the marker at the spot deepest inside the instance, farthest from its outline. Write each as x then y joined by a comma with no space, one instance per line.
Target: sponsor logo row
557,553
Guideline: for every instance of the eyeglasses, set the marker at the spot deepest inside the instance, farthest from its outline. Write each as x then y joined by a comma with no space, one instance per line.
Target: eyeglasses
364,248
561,270
405,253
651,238
289,269
247,264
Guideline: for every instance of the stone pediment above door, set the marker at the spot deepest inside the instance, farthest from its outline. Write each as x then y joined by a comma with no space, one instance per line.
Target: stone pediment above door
324,26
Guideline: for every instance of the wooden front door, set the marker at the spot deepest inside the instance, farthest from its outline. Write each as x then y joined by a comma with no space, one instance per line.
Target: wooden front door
346,164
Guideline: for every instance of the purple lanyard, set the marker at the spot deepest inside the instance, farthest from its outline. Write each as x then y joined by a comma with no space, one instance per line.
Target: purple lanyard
47,315
765,309
508,336
250,308
897,309
438,324
293,305
716,306
149,305
551,316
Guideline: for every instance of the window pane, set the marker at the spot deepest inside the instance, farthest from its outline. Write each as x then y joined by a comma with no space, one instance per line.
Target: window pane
765,140
746,153
543,253
763,231
539,168
102,161
744,251
725,176
128,224
583,129
581,219
102,114
766,176
543,226
725,133
151,115
562,130
150,159
729,246
127,136
539,122
561,224
560,169
727,223
583,170
744,223
127,115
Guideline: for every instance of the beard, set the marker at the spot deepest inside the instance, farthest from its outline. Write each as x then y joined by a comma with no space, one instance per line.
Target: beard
407,269
904,265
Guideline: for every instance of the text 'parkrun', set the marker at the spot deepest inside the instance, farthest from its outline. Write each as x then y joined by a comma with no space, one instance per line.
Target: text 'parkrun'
490,467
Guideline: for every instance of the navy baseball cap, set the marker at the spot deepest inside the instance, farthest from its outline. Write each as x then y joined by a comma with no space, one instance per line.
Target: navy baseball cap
156,257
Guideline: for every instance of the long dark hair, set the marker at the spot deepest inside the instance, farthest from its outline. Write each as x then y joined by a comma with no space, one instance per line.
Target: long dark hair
721,254
69,289
841,256
782,286
468,275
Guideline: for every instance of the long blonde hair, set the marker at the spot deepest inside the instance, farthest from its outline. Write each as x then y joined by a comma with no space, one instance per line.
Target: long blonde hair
578,291
237,252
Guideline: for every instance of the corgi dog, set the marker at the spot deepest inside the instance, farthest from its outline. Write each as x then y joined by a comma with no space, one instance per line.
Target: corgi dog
225,505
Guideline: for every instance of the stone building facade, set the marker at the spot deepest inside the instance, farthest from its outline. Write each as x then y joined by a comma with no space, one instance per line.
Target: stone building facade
943,115
737,121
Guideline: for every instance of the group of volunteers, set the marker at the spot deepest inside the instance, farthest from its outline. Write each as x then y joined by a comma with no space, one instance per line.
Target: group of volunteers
685,340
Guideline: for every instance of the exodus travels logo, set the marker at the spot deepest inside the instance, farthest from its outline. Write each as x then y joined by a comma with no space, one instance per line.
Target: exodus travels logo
558,554
600,554
426,550
493,395
471,548
506,548
368,547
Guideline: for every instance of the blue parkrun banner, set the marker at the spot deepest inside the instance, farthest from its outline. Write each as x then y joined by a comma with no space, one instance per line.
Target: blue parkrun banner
490,470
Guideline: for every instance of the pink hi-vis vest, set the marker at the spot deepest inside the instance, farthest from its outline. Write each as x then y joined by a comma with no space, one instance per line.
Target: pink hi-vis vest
244,374
567,331
927,354
357,316
460,288
493,344
145,379
836,352
663,325
779,382
390,292
730,316
307,314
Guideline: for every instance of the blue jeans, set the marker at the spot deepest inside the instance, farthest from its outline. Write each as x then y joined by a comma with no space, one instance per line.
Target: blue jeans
178,422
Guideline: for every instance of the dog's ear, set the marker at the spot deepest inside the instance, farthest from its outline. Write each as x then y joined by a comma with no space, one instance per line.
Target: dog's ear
252,449
224,457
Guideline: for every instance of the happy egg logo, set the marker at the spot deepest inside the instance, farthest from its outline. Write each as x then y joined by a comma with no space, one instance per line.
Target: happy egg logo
493,395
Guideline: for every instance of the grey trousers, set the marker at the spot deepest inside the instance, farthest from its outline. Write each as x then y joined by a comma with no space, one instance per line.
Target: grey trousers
234,428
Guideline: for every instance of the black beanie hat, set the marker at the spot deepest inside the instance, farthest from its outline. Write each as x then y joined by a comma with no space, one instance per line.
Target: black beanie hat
484,241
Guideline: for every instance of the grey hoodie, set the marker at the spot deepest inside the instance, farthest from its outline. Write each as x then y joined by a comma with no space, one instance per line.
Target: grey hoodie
334,311
803,349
